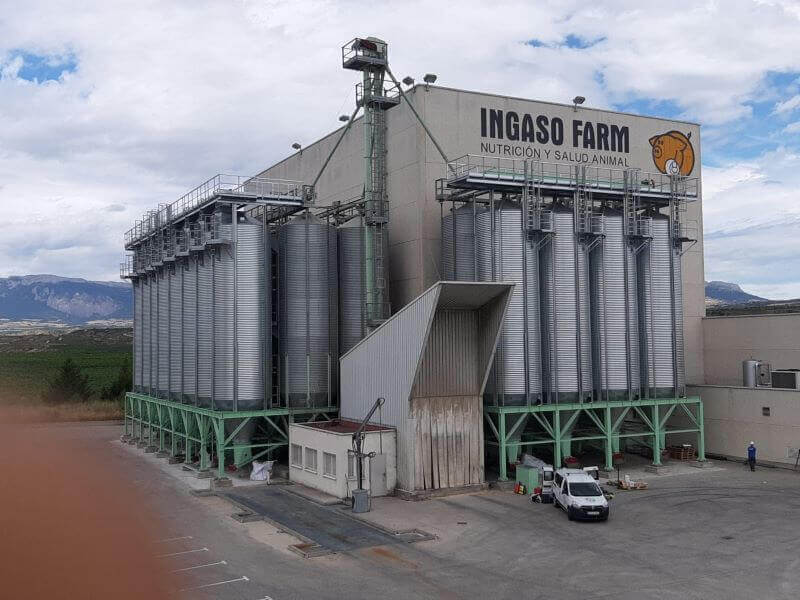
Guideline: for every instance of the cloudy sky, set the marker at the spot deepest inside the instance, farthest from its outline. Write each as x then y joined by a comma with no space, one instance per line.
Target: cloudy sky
110,107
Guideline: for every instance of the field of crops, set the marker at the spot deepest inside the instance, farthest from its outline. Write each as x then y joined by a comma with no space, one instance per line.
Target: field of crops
29,362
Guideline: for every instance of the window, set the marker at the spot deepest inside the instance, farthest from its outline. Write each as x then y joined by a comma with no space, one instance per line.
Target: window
582,489
351,465
297,456
558,480
311,460
765,411
329,465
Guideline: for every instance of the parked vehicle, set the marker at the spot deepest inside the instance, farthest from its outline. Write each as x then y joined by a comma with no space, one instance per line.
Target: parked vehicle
579,495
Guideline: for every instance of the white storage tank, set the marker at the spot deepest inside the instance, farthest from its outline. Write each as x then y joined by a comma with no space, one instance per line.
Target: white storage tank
352,299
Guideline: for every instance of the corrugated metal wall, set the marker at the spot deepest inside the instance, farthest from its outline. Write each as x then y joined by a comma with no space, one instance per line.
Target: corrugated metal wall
384,365
449,366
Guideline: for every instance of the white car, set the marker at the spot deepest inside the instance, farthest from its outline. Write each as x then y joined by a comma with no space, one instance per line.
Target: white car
579,495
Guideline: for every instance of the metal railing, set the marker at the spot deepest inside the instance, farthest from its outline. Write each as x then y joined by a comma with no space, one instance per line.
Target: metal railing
253,188
513,170
387,93
360,50
486,167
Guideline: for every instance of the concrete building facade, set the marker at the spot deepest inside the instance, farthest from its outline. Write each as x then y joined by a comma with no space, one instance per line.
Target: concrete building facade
773,338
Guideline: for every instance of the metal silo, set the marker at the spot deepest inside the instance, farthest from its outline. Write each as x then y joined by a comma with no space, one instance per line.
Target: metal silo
567,328
163,333
505,253
189,329
175,331
252,308
662,319
615,321
458,244
137,334
352,307
308,311
222,268
205,328
146,296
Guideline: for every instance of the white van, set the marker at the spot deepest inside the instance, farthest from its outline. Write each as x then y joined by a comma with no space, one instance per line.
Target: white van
579,495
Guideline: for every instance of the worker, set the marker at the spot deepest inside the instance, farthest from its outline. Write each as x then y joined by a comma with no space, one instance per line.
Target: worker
751,455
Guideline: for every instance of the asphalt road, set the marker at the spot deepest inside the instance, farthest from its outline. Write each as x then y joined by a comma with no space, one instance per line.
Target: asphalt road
723,534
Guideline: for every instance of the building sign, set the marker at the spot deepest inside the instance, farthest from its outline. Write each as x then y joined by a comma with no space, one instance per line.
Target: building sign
591,137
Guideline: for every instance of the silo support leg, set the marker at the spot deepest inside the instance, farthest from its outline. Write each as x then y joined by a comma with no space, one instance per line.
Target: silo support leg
609,439
173,427
219,435
501,418
657,441
557,439
187,431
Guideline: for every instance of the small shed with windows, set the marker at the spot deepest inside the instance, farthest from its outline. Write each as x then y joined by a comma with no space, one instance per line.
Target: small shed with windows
321,457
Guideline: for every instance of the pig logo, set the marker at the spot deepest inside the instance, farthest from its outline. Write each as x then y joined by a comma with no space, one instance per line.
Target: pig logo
673,153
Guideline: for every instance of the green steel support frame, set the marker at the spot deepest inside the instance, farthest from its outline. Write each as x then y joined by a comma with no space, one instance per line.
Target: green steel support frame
196,433
556,422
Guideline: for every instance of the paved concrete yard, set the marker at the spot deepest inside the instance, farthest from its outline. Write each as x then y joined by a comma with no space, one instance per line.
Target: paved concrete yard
709,534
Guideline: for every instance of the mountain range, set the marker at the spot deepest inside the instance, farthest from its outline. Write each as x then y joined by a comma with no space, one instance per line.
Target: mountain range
77,301
63,299
722,292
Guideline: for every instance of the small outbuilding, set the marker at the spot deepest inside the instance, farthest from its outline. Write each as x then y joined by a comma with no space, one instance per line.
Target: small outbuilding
321,457
430,363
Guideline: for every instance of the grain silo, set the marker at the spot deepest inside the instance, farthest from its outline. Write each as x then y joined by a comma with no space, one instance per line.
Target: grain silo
458,243
504,253
567,327
308,312
352,307
615,315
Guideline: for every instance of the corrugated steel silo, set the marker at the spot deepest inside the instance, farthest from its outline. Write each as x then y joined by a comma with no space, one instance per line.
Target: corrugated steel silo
175,274
163,333
658,264
352,307
146,338
504,253
458,244
615,321
137,334
189,329
566,322
223,317
205,328
309,312
252,307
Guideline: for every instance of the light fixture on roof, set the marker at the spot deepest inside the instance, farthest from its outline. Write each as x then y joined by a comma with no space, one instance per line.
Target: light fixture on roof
344,118
576,101
429,79
296,146
408,80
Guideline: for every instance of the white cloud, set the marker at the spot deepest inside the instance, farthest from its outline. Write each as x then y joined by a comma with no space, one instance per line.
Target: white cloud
788,105
167,94
751,220
792,127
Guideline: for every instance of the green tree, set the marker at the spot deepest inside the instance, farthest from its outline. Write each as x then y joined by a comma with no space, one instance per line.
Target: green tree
69,385
123,383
